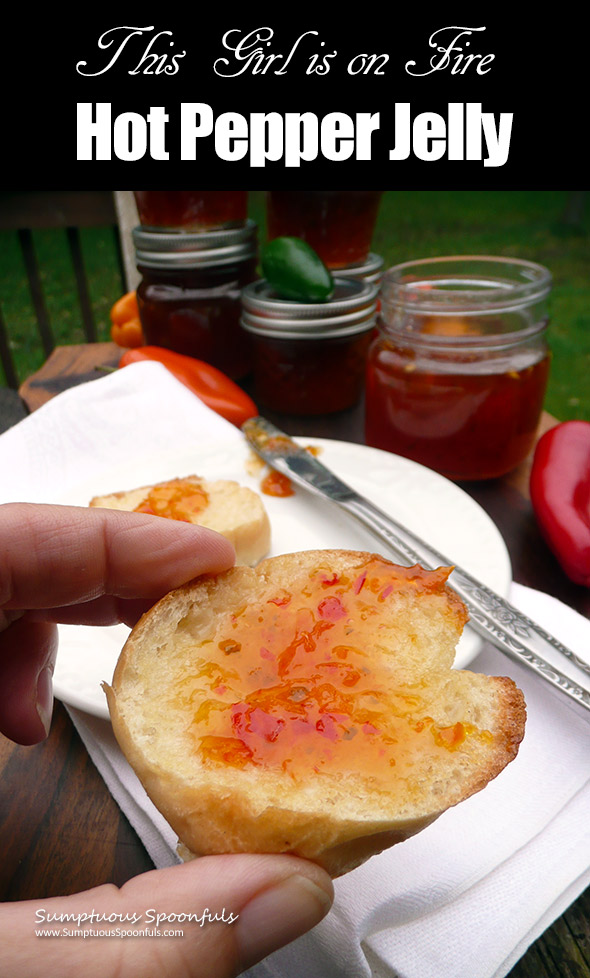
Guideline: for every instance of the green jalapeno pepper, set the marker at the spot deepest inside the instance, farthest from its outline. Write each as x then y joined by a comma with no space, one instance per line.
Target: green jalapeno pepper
294,270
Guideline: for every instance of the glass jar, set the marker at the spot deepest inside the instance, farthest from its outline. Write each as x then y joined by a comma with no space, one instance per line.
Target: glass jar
192,210
338,224
189,295
310,358
457,376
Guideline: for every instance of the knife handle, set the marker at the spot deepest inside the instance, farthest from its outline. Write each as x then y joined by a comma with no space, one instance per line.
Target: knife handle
490,615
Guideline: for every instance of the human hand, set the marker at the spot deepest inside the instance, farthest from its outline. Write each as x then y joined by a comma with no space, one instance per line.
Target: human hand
274,899
63,564
84,566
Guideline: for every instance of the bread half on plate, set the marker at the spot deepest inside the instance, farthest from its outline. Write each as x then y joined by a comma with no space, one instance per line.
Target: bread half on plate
233,510
309,706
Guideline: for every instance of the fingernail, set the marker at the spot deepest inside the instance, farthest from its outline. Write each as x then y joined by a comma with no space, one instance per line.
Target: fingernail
44,701
278,915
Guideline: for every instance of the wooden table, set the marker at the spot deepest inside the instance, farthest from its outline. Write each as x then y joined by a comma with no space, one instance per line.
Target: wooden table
63,832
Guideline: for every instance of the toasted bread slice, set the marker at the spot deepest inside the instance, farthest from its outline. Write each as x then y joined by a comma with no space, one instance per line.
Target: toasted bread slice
309,706
233,510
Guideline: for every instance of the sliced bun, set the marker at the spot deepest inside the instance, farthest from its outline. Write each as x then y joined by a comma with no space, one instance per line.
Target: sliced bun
233,510
309,706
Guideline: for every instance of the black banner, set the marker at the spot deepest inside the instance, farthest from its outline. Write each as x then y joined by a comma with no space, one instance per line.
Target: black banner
418,101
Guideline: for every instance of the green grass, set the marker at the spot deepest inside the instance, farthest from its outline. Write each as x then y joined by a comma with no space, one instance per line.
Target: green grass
411,225
59,287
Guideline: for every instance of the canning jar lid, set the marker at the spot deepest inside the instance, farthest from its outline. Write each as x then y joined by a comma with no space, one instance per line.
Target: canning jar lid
351,310
469,284
192,249
370,270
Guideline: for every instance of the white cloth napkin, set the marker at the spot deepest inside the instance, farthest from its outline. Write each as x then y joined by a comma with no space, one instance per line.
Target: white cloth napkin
468,895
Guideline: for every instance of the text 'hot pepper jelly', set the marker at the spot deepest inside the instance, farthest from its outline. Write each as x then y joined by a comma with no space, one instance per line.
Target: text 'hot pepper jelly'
457,375
189,294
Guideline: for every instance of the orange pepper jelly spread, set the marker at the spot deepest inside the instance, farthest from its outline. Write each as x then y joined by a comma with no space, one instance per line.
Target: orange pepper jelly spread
178,499
276,484
287,682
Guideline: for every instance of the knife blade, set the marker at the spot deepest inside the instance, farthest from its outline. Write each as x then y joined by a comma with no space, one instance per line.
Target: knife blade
491,616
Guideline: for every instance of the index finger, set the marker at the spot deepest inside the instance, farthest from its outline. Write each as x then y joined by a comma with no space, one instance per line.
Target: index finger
51,556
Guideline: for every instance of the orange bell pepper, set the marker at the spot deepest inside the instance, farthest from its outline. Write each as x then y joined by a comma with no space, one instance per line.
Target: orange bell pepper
126,325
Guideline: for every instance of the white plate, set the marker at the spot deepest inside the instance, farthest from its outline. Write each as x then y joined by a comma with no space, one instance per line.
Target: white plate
425,502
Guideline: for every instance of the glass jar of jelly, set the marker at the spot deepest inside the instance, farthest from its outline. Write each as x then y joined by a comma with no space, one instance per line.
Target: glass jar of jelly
457,376
338,224
192,210
189,294
310,358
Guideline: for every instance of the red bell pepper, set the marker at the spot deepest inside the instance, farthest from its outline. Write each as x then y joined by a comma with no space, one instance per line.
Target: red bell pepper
560,494
208,383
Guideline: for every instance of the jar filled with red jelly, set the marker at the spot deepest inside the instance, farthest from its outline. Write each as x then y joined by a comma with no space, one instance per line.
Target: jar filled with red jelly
192,210
457,375
189,294
338,224
310,358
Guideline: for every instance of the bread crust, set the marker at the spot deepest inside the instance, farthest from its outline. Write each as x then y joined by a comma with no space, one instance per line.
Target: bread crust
336,819
232,510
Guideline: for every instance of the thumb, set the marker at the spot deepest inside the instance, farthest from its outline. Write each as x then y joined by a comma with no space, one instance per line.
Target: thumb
227,912
27,657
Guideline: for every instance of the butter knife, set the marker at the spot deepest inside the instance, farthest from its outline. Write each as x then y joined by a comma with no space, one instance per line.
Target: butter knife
491,616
